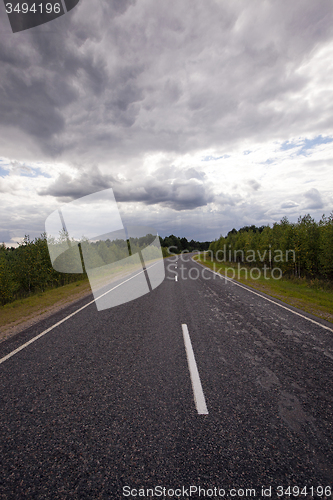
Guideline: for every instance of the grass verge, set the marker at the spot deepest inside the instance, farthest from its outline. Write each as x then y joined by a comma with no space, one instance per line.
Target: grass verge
22,313
315,297
23,310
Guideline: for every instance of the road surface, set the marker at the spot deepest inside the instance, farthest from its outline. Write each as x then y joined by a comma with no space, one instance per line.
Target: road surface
111,404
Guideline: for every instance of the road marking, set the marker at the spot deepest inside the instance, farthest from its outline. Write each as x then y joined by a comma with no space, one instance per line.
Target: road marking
266,298
199,397
2,360
176,278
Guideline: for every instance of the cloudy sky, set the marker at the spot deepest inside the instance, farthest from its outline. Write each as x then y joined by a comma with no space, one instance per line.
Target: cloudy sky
202,115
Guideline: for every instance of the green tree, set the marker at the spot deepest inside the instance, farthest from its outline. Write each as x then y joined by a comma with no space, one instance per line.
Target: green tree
326,246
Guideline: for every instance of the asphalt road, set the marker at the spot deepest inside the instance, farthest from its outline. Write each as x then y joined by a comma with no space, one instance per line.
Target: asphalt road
102,406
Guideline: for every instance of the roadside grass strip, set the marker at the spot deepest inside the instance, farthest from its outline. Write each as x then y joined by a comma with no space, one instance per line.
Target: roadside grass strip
21,310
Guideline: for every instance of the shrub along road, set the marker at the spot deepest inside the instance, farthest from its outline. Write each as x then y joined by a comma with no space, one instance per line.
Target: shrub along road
103,403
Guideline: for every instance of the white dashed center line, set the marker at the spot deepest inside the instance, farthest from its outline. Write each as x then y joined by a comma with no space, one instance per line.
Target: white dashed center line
199,397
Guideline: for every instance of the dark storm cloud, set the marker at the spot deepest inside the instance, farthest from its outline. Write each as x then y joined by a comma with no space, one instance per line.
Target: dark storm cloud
68,188
170,187
152,76
38,116
180,190
42,73
179,194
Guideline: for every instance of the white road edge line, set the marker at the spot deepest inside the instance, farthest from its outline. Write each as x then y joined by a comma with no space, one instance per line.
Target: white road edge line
263,297
199,397
2,360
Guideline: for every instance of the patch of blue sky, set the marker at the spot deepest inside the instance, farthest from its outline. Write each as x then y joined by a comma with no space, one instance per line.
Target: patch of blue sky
4,168
269,161
3,172
247,152
289,145
34,172
214,158
306,144
312,143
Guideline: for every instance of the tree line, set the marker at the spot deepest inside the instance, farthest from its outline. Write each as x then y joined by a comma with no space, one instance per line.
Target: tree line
177,245
301,249
27,269
66,255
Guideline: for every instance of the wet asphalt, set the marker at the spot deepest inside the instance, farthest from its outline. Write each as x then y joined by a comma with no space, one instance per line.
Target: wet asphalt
102,406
